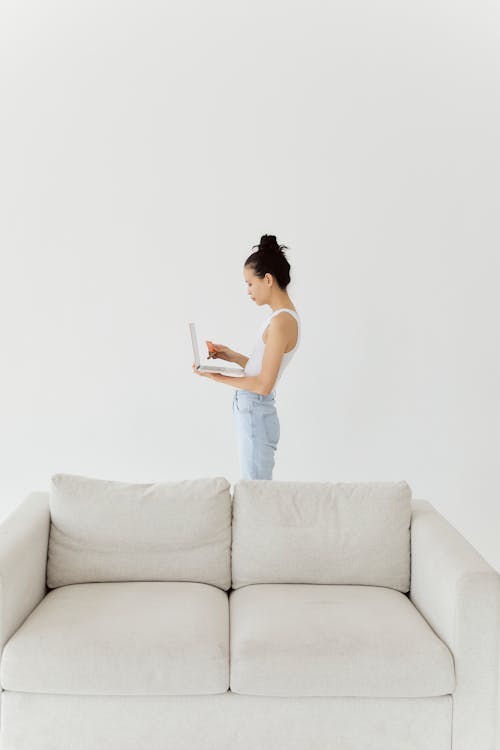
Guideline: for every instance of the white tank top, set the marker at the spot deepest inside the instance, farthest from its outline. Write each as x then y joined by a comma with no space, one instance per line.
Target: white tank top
254,364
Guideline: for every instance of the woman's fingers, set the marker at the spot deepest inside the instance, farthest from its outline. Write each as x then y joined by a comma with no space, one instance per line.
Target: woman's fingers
211,346
211,349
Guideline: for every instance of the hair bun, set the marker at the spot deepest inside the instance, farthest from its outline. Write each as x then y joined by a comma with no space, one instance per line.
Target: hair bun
268,242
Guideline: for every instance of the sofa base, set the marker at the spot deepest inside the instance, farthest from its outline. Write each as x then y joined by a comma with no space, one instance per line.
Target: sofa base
228,721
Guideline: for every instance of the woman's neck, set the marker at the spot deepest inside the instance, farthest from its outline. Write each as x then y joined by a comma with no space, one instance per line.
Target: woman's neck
279,304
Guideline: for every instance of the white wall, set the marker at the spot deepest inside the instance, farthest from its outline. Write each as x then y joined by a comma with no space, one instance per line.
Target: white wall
146,146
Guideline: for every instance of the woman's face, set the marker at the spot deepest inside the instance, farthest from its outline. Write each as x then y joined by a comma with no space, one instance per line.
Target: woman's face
257,289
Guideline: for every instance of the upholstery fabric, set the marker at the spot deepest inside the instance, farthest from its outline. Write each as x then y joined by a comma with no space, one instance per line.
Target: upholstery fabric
104,530
458,592
337,653
24,536
137,638
321,532
223,722
336,640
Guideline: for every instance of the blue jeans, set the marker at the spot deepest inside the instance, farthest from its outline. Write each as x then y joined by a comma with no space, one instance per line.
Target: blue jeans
257,431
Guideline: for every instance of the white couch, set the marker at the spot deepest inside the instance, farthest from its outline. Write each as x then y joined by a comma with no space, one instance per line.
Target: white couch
284,615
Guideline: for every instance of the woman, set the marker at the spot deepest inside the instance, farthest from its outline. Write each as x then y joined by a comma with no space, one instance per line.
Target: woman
267,274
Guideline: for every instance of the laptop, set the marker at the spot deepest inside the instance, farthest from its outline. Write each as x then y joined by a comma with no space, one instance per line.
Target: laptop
234,371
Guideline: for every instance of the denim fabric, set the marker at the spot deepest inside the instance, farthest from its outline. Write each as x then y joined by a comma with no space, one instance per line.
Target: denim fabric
257,431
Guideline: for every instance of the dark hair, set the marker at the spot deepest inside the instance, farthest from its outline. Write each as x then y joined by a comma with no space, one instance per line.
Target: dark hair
270,258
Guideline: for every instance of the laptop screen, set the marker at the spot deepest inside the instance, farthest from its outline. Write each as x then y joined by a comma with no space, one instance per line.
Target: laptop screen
194,342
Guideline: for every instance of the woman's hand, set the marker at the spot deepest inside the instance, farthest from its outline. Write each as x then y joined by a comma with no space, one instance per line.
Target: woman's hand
219,351
204,374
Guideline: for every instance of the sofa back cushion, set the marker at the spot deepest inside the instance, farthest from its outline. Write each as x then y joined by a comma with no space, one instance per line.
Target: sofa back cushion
320,532
105,530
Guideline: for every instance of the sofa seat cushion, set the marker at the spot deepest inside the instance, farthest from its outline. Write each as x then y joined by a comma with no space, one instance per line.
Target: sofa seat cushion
124,638
333,640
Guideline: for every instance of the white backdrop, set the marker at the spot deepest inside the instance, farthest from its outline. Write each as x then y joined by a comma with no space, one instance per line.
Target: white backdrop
146,146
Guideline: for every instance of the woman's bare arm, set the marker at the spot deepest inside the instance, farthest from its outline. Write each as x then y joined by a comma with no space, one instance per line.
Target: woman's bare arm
240,359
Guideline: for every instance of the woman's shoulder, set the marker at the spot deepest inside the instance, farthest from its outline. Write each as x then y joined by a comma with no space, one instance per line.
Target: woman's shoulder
287,317
285,322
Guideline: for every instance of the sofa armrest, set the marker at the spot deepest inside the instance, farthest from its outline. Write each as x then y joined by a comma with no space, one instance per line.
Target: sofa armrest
458,593
24,536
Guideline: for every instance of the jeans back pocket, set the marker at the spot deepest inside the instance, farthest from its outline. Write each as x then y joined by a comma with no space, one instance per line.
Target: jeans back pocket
271,426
